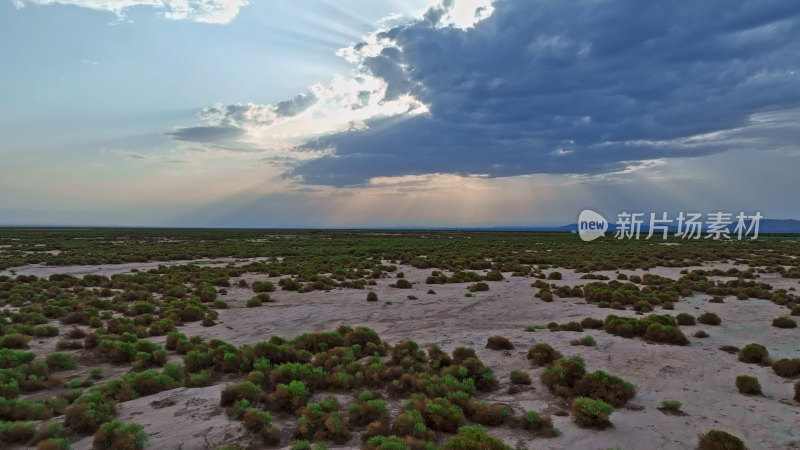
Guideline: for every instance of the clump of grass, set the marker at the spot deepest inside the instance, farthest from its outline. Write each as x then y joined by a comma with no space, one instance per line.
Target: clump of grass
372,296
474,437
520,377
754,354
588,341
700,334
748,385
541,354
60,361
534,328
538,424
709,318
720,440
498,342
118,435
784,322
590,413
787,367
685,319
672,406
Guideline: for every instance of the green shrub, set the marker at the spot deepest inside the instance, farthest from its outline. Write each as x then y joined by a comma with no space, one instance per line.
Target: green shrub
474,438
538,424
545,295
372,296
554,276
787,367
784,322
720,440
520,377
263,286
754,354
685,319
117,435
254,302
671,405
542,354
748,385
53,444
17,432
588,341
59,361
709,318
402,283
591,413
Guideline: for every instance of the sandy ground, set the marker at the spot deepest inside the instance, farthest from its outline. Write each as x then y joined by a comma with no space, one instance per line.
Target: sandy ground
699,375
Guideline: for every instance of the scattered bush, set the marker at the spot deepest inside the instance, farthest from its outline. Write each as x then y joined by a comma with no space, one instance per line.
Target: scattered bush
590,413
474,438
520,377
754,354
720,440
372,296
671,405
588,341
538,424
784,322
748,385
60,361
709,318
117,435
554,276
542,354
254,302
700,334
787,367
685,319
497,342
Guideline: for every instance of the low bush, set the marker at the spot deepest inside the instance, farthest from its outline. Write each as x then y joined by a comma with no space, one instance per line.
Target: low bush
401,283
590,413
685,319
60,361
542,354
520,377
499,343
748,385
260,422
538,424
709,318
117,435
787,367
719,440
545,295
17,432
606,387
671,405
254,302
367,409
754,354
588,341
263,286
289,397
53,444
784,322
700,334
554,276
474,438
372,296
244,390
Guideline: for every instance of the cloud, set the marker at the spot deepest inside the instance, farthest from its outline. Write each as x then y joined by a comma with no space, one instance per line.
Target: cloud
206,134
206,11
581,87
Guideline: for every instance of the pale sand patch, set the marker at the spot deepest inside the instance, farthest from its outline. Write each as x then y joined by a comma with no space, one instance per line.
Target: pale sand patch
699,375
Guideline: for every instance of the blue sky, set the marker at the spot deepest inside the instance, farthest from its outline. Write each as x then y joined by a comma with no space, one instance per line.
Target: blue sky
362,113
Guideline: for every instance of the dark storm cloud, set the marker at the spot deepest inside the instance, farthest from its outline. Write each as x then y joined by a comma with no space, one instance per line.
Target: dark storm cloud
209,134
583,86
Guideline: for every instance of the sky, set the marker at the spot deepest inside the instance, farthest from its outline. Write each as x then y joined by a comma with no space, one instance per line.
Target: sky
357,113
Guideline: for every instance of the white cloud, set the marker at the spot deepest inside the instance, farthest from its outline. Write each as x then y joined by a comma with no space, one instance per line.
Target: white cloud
206,11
